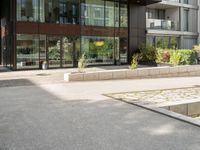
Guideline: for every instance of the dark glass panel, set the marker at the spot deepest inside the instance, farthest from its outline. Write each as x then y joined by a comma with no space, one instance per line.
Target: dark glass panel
62,11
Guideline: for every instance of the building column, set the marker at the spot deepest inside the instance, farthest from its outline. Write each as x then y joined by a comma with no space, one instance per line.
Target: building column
137,28
181,25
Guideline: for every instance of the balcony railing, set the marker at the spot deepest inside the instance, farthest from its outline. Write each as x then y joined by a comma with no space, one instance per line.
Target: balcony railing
159,24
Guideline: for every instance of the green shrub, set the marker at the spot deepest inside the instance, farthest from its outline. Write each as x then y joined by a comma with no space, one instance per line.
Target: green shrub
175,58
82,63
187,56
159,58
135,59
148,53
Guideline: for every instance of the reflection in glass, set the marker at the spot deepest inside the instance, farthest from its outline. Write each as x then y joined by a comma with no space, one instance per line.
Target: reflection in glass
99,50
27,51
92,12
109,14
68,52
123,15
54,48
27,10
62,11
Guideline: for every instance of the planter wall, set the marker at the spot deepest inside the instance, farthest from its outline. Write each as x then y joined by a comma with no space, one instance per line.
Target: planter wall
154,72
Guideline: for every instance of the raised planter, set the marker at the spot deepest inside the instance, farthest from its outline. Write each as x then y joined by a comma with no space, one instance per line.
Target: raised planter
154,72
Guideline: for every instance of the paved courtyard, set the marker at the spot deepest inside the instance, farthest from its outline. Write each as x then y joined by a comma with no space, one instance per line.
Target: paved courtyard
161,98
40,112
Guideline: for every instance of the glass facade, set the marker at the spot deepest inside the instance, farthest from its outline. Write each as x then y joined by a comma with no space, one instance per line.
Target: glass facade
108,46
99,50
49,11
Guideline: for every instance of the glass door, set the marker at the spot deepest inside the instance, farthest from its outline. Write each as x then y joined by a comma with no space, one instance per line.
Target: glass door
54,52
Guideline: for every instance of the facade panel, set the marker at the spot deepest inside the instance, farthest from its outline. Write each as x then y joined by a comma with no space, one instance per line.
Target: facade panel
178,20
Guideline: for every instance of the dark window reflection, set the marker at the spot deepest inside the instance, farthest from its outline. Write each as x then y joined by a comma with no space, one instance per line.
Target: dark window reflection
62,11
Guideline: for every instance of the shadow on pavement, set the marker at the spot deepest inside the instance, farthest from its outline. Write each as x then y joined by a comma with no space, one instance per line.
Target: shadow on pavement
15,82
33,118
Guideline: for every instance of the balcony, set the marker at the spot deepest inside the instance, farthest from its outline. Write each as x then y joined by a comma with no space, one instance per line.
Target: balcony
159,24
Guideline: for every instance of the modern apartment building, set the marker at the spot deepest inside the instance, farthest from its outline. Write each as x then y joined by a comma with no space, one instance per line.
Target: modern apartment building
173,23
108,32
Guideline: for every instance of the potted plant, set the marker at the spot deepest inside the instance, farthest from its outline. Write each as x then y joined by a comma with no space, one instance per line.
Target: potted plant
44,65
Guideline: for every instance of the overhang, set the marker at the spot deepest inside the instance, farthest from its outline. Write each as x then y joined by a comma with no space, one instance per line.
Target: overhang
144,2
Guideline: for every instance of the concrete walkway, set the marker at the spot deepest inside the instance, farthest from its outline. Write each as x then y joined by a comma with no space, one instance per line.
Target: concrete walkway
42,115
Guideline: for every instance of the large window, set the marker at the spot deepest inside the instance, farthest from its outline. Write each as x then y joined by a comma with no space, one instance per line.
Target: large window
123,15
27,51
186,2
186,19
155,13
62,11
163,41
104,13
92,12
99,50
28,10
